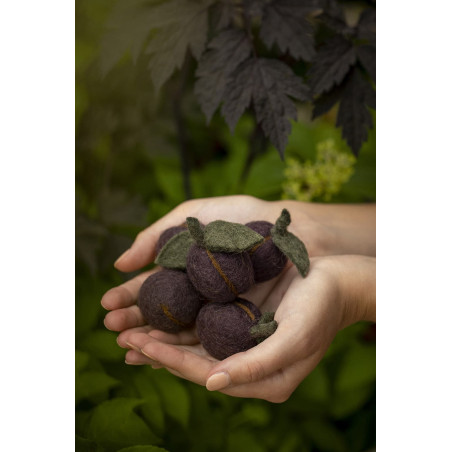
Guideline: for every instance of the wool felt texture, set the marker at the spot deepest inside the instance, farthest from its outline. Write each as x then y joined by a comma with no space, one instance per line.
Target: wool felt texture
224,236
174,253
168,234
289,244
168,301
219,277
224,328
265,327
268,260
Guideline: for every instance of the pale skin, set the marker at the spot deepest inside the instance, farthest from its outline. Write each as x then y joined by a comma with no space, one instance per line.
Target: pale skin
338,291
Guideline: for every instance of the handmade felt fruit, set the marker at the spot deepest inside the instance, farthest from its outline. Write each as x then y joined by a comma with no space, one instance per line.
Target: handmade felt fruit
267,259
168,301
228,328
166,235
218,265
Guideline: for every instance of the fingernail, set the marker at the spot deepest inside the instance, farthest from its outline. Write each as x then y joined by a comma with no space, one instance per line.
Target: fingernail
133,347
132,364
218,381
120,258
149,356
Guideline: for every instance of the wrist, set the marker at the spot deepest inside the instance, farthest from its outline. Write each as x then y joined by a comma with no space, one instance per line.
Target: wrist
356,284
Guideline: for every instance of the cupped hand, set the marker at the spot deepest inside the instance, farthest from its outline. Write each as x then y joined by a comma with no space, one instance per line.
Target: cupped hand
309,311
238,209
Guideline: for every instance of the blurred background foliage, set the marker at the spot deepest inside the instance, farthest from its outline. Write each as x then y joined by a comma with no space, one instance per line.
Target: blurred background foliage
128,174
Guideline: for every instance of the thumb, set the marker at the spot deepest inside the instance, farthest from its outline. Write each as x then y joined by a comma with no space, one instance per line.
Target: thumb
274,353
142,252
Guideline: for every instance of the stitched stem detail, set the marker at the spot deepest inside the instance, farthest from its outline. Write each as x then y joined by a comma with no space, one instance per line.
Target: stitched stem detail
254,249
246,309
167,312
222,274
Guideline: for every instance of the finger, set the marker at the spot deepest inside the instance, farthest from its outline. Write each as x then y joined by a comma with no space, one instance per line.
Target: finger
123,337
279,386
184,337
122,319
135,358
142,251
126,294
191,362
289,343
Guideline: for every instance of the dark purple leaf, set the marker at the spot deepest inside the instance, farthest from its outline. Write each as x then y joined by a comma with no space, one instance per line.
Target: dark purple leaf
331,64
225,53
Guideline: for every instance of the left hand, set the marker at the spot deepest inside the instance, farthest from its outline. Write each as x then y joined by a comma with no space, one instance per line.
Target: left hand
309,311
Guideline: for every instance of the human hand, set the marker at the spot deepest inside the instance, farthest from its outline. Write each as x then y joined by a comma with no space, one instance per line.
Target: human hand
338,291
238,209
241,209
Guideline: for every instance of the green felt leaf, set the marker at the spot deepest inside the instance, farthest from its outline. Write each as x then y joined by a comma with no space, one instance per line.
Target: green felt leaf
226,237
115,424
173,255
289,244
265,327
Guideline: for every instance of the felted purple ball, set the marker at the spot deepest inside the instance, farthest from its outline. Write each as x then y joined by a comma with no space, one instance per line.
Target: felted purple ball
267,259
219,277
168,234
168,301
224,328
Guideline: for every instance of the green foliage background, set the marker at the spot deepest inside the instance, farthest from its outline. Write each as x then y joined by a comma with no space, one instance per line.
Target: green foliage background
128,174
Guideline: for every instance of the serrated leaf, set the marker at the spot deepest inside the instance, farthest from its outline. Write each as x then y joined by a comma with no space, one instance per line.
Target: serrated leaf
289,244
225,53
169,45
268,83
223,236
127,28
222,14
366,28
331,64
284,23
174,253
326,101
115,424
353,115
367,56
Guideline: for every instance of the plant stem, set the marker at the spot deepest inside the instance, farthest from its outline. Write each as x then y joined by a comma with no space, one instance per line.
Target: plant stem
181,130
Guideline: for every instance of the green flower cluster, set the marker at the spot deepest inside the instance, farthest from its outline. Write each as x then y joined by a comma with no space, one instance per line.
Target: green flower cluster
320,180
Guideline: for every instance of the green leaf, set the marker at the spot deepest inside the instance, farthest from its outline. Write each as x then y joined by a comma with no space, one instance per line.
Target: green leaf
86,445
223,236
174,253
348,402
152,408
289,244
93,386
143,449
174,397
358,368
81,360
325,435
115,424
102,344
